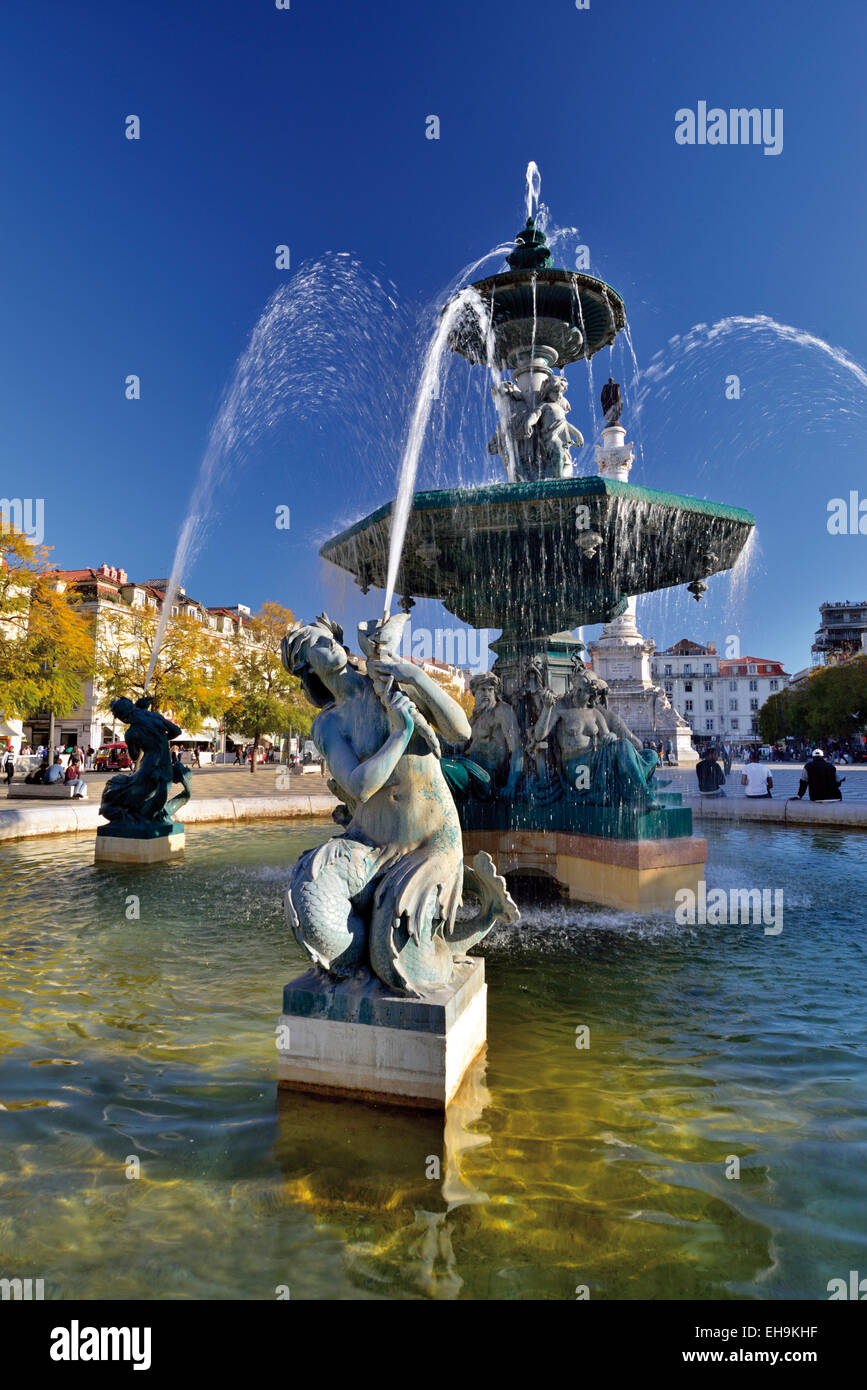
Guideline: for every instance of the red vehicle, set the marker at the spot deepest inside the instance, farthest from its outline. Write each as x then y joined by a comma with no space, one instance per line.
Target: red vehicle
111,757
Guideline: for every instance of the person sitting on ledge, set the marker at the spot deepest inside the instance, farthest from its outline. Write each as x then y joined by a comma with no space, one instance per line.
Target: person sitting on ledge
55,772
821,778
72,779
755,779
709,773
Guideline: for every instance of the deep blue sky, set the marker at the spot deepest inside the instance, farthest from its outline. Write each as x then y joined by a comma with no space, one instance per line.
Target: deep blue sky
307,127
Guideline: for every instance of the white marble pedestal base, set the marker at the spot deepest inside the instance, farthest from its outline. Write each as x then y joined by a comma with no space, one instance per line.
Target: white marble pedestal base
356,1038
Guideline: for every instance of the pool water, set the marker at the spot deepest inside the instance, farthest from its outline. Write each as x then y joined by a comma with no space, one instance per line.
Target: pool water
146,1044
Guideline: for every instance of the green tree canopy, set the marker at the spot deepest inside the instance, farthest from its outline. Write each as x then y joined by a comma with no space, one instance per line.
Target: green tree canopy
831,704
192,673
266,698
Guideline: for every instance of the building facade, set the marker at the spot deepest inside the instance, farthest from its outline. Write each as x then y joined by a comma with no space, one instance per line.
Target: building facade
842,633
114,604
720,697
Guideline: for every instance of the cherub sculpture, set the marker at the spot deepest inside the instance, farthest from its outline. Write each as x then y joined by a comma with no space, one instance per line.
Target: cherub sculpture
555,435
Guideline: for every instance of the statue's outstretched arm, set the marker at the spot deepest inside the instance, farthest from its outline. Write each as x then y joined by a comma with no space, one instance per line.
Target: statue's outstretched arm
362,779
544,725
445,713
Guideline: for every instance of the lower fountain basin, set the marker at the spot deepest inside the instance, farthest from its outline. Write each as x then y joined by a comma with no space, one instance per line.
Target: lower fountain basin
537,557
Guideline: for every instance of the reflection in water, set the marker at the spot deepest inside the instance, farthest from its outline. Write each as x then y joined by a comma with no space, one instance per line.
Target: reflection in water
394,1203
557,1167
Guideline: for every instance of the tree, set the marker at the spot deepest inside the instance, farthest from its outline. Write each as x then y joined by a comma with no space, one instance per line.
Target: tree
266,698
46,644
192,672
832,704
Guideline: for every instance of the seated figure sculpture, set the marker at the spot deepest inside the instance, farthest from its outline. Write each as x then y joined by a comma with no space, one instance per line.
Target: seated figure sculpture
141,800
496,736
599,760
383,896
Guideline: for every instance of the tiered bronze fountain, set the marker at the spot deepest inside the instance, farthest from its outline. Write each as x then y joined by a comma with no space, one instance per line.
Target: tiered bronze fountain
545,780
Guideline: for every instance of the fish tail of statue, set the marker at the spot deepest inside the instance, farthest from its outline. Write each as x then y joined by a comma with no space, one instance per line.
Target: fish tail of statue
482,882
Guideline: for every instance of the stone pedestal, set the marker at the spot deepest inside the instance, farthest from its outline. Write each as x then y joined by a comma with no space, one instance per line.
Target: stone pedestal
117,845
632,874
355,1038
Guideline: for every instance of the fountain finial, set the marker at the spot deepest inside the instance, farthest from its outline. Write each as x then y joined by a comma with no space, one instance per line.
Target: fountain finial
531,249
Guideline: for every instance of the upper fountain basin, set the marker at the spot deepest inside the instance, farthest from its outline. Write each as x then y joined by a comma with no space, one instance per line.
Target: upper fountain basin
571,312
544,556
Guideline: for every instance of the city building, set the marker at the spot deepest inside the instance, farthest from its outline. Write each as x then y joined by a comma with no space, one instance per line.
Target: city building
455,679
113,602
842,633
720,697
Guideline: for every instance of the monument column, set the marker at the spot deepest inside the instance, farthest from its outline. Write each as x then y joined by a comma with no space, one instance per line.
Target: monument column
621,656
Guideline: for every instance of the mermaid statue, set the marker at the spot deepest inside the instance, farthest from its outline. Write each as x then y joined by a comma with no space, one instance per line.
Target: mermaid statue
142,799
383,897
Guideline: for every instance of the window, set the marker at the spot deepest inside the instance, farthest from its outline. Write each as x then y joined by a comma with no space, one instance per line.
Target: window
667,669
707,668
138,598
708,685
708,724
733,685
687,668
708,706
754,685
754,704
687,704
175,610
687,685
733,704
669,689
751,669
775,685
735,723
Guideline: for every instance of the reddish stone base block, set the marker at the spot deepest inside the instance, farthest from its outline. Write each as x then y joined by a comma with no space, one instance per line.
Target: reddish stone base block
632,874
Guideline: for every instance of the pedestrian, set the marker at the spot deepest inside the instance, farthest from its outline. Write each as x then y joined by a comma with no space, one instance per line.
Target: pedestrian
196,759
668,752
709,773
820,778
9,766
757,781
727,757
237,754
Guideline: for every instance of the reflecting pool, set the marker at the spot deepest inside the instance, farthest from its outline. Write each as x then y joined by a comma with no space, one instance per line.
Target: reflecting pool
146,1043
